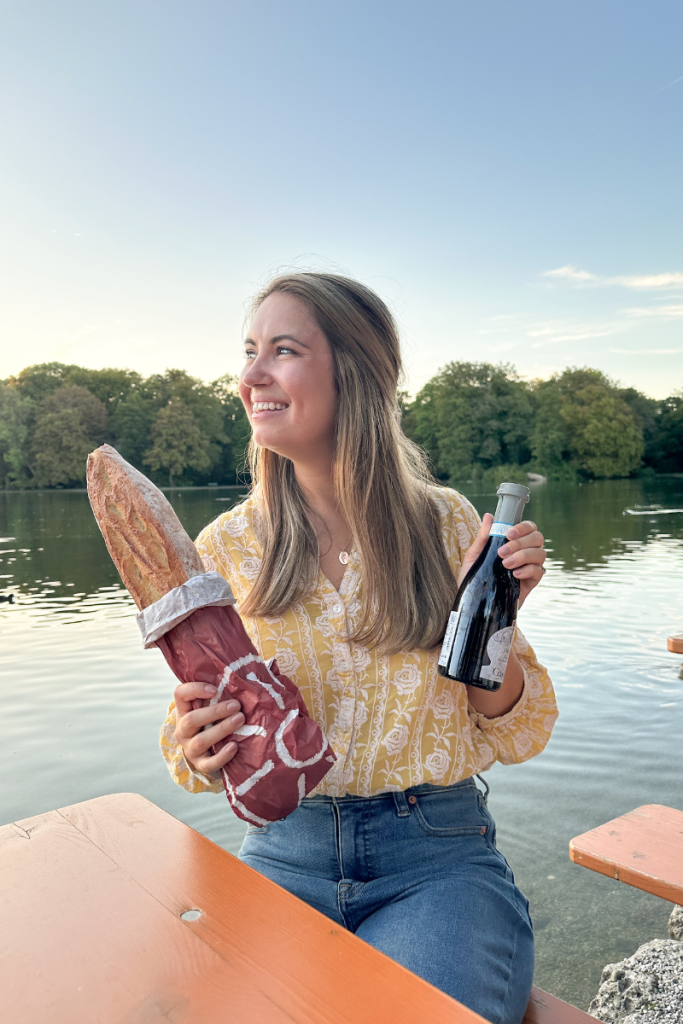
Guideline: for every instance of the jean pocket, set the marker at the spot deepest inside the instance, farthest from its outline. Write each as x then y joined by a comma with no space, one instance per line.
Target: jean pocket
257,830
447,814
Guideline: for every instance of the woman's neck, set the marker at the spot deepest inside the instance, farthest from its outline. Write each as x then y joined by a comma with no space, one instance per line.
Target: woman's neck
316,485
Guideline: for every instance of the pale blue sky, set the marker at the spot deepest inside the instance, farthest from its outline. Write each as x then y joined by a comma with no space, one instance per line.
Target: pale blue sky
507,175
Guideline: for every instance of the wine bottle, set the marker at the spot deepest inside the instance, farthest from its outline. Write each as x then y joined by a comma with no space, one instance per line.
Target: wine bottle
479,633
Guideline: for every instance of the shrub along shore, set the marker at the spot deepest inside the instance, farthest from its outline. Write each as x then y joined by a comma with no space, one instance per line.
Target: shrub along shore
474,420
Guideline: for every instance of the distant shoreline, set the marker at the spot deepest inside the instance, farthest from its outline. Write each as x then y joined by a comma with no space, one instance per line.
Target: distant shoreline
245,487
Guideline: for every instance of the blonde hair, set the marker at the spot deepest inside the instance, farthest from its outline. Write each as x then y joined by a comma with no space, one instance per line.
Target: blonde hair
381,483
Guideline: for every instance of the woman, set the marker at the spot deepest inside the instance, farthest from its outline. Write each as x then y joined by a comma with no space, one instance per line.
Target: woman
345,560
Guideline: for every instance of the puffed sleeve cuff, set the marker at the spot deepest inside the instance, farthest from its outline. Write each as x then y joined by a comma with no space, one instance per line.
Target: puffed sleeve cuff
523,731
182,771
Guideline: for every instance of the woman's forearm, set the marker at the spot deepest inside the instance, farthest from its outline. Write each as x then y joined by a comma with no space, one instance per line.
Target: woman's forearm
499,702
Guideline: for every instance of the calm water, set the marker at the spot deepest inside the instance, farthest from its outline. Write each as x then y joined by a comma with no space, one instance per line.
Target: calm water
81,703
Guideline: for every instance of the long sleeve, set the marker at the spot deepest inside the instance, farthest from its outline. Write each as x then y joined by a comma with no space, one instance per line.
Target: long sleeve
183,772
523,732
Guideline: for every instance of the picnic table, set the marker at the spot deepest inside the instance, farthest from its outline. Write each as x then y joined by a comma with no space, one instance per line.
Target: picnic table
112,911
643,848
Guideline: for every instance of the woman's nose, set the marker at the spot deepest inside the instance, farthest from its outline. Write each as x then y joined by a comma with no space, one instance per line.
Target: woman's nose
255,373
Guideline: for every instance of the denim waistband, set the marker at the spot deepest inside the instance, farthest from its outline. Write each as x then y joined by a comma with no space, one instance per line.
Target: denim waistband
401,796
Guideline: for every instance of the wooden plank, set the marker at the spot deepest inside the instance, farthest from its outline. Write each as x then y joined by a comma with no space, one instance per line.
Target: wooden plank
90,900
643,848
546,1009
81,942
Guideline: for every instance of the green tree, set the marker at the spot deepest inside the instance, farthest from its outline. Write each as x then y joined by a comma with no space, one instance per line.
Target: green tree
39,381
92,412
236,431
60,447
472,416
200,399
15,417
666,449
110,385
584,426
178,443
131,424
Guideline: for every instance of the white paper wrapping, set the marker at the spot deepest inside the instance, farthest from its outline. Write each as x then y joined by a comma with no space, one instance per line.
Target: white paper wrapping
201,591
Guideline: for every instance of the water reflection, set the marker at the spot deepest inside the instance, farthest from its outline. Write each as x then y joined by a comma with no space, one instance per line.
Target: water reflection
53,558
586,525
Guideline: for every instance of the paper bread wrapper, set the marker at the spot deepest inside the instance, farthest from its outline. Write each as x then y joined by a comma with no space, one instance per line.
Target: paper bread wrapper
282,753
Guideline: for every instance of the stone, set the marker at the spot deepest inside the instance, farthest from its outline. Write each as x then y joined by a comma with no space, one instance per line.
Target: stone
676,924
646,988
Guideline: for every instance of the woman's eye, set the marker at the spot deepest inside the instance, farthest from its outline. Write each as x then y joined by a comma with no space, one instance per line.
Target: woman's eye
249,354
283,348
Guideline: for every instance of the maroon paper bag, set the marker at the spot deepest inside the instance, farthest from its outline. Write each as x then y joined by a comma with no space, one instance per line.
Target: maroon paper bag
282,753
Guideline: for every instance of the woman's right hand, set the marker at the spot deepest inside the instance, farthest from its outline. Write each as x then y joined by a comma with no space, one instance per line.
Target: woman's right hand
220,720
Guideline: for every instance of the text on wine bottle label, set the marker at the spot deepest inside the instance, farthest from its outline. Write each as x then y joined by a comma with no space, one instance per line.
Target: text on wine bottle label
500,529
447,645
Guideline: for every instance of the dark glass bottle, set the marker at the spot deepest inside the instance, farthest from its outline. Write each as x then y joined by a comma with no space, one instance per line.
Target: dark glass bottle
478,638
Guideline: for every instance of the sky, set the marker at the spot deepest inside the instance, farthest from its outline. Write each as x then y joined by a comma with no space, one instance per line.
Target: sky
507,176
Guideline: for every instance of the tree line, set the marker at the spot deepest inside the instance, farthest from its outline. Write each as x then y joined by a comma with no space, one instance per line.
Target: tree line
172,426
475,417
472,419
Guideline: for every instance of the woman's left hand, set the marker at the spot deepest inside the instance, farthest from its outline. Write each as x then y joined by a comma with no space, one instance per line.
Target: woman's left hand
522,552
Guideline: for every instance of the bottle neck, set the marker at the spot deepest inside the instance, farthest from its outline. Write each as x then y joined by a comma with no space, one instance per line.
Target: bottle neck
508,513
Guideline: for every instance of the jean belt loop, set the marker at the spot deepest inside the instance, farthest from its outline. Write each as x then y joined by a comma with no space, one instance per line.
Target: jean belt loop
402,808
486,787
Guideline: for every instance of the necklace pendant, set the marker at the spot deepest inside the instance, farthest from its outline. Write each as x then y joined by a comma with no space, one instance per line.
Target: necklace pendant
344,557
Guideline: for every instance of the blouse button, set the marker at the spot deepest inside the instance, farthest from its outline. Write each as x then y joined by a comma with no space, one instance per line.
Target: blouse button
412,799
337,609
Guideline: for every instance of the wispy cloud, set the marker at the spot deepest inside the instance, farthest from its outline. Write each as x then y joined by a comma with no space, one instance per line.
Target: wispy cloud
638,282
656,312
553,332
646,351
665,87
571,273
649,281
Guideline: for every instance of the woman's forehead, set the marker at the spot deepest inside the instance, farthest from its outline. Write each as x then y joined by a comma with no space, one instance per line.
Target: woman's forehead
283,314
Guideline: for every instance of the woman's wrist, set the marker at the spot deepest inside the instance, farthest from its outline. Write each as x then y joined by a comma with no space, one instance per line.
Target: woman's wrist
494,704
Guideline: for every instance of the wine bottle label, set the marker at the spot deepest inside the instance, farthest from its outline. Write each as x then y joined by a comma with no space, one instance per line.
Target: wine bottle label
447,645
500,529
498,650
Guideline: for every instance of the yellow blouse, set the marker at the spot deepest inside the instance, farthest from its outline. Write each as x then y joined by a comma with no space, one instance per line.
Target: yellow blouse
392,721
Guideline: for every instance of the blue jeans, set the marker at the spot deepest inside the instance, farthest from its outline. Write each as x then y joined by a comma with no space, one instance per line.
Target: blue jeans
417,875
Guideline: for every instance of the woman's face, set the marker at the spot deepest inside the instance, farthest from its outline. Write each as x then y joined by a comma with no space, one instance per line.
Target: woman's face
287,384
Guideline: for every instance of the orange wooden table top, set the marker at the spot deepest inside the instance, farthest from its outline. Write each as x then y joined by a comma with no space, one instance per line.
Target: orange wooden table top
91,898
90,902
643,848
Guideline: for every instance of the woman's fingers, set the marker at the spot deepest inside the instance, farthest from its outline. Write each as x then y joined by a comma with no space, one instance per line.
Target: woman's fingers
525,556
186,693
217,761
188,725
203,741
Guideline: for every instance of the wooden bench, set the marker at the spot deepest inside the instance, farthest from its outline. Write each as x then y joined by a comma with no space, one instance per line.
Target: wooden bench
113,911
643,848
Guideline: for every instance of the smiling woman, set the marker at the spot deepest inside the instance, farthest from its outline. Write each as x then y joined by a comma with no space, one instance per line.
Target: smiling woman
344,560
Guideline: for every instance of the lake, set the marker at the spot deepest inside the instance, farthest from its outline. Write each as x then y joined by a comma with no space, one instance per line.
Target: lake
81,703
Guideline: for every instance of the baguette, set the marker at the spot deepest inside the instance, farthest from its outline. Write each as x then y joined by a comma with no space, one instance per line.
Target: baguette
282,752
144,537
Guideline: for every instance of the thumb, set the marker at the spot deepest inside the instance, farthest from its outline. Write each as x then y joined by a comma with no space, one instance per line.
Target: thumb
476,548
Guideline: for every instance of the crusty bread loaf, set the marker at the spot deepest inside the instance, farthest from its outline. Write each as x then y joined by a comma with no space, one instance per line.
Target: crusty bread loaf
145,538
